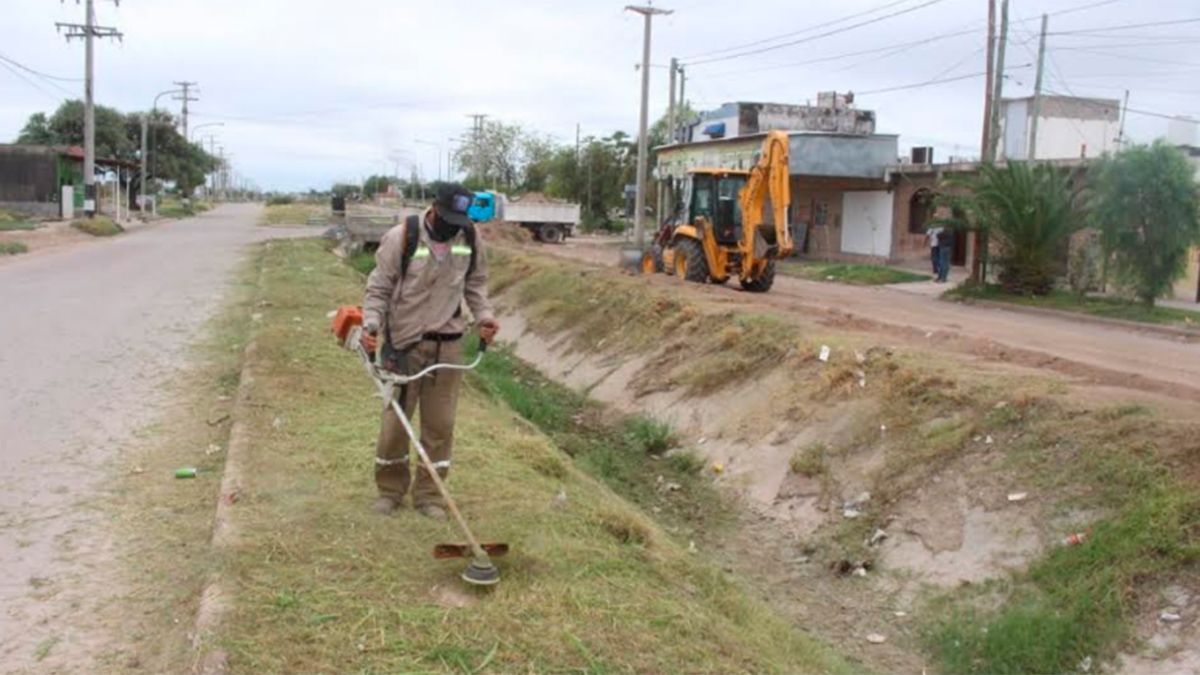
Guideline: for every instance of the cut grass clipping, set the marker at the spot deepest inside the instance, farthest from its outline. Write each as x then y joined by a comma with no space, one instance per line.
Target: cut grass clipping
12,248
100,226
325,585
851,273
1106,307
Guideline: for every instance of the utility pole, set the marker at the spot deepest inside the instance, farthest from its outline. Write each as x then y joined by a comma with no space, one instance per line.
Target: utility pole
1037,92
212,151
990,74
998,94
88,31
184,86
1121,131
476,157
648,12
671,103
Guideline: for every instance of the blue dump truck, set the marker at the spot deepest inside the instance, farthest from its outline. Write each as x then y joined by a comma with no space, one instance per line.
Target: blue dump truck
549,220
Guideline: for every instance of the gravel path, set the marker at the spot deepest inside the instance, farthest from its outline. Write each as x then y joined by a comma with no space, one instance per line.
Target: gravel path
91,335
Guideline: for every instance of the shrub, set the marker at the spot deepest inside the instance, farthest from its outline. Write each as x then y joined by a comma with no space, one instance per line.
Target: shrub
280,200
1146,209
1031,212
12,247
100,226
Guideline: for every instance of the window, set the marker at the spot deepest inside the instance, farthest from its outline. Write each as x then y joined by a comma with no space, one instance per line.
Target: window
702,197
483,202
920,210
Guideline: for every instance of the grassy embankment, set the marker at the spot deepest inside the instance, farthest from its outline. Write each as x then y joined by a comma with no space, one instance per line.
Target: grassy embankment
12,248
322,584
1063,301
11,221
1122,463
100,226
296,213
856,274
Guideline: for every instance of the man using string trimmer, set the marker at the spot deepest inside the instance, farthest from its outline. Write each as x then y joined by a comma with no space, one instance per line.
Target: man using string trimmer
425,268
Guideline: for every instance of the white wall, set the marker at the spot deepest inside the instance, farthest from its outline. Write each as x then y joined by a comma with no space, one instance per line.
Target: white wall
1060,138
867,223
1013,134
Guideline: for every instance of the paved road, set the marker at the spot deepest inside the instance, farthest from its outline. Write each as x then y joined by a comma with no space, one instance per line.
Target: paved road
1088,352
90,333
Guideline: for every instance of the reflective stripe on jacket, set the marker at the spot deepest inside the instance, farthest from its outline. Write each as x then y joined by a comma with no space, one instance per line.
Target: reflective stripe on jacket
429,298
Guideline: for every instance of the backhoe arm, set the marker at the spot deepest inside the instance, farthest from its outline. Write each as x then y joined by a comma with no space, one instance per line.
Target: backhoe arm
768,181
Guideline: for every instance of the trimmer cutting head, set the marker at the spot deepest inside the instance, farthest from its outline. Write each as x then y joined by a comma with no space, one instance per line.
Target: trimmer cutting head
481,572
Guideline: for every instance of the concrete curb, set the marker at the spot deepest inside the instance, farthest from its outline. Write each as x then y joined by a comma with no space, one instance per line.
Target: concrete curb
216,597
1188,334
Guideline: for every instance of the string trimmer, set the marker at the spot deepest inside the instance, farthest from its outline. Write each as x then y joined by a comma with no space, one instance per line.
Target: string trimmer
347,327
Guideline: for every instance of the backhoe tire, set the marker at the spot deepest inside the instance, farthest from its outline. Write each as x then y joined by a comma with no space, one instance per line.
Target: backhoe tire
551,233
690,264
763,282
652,260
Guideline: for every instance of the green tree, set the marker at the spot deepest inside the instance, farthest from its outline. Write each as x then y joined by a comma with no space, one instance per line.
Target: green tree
537,157
118,136
1146,208
379,183
36,131
1029,210
492,158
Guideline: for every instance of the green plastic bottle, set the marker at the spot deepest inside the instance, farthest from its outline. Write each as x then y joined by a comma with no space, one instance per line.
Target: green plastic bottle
186,472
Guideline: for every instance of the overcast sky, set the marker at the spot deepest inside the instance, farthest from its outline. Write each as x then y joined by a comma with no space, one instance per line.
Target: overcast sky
314,91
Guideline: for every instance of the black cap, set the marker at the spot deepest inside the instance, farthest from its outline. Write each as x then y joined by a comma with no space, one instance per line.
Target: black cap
452,203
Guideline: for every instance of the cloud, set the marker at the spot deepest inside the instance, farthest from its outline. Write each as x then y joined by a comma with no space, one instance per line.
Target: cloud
311,92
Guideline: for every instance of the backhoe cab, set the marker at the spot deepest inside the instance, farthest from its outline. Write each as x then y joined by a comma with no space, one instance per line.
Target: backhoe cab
736,223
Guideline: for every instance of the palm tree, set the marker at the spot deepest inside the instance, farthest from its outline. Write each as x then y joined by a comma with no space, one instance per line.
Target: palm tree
1030,211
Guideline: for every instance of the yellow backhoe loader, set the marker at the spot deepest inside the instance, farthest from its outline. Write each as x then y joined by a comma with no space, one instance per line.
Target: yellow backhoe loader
736,223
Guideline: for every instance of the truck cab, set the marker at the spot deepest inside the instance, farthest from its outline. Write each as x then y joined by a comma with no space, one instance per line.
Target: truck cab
483,207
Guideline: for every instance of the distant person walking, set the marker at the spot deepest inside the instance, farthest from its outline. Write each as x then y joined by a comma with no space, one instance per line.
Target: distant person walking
945,249
932,236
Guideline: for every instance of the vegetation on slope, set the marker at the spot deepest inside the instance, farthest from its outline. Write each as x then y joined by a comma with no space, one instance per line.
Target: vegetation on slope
323,584
1130,469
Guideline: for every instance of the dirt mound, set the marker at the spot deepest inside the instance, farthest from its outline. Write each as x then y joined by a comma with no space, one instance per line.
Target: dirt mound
503,232
537,198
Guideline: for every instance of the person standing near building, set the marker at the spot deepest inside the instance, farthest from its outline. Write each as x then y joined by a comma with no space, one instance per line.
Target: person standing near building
932,235
425,268
945,249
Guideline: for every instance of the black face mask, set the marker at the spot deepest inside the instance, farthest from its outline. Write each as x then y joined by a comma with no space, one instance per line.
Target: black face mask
442,231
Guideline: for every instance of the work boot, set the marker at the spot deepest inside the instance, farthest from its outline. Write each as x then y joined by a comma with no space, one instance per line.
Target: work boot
384,506
432,511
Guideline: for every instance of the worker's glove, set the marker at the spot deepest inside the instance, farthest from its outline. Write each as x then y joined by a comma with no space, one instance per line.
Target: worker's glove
488,329
369,335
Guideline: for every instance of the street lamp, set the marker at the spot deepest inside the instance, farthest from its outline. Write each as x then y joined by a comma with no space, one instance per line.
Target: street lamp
192,131
145,127
439,152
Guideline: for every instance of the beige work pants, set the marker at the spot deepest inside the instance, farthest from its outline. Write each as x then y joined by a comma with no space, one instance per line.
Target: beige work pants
436,396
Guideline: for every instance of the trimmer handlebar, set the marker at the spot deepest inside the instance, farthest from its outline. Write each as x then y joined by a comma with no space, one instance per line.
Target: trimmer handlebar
348,328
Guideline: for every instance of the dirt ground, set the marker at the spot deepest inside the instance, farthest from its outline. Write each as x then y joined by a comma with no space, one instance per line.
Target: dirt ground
93,335
1086,353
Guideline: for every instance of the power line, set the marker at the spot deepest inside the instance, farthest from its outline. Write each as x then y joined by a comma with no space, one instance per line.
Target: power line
836,57
30,82
928,83
38,72
10,63
802,31
1110,29
819,36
